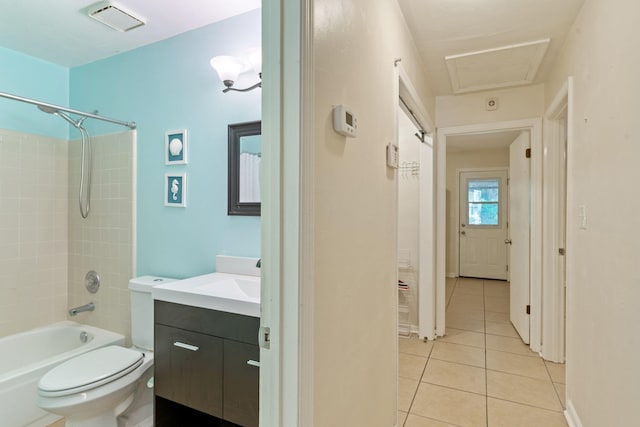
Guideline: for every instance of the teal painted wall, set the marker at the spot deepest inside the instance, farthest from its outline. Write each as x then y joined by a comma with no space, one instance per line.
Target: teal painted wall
166,86
29,77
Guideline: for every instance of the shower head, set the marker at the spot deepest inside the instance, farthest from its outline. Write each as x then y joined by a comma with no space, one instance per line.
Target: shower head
53,110
48,110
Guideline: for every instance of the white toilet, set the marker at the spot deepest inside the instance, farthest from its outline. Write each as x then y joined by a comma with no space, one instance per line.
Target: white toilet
109,386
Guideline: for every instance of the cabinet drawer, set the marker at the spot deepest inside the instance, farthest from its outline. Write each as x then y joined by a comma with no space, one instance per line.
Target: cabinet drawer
189,368
241,383
211,322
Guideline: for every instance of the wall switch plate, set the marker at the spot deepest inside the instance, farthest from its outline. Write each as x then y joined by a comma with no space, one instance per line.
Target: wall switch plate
393,157
582,217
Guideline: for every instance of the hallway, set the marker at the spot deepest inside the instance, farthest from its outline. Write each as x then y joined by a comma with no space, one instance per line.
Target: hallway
480,373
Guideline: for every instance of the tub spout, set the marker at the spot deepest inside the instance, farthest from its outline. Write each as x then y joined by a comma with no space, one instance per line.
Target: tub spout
87,307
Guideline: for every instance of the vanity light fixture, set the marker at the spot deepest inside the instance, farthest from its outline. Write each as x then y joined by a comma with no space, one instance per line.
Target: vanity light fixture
230,67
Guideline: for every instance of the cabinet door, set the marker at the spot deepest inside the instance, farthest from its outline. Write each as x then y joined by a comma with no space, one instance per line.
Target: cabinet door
188,368
241,383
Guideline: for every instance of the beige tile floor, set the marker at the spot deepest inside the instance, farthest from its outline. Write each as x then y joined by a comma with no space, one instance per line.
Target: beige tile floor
480,373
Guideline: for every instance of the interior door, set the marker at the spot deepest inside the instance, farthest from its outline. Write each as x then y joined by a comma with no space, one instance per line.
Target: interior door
483,227
562,226
519,230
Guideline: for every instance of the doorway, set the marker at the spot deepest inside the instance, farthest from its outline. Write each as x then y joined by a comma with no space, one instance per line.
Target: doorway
448,138
420,169
490,234
408,177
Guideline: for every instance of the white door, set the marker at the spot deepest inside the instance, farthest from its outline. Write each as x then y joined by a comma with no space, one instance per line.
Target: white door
519,208
483,228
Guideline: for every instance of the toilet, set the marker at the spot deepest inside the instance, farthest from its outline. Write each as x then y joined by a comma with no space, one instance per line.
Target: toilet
110,386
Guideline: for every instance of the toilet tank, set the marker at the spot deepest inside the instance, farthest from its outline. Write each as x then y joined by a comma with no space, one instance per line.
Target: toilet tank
142,309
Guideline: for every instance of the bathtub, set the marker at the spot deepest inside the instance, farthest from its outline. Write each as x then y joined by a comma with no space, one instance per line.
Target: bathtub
27,356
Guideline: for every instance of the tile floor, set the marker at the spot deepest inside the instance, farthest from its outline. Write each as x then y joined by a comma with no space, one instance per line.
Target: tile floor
59,423
480,373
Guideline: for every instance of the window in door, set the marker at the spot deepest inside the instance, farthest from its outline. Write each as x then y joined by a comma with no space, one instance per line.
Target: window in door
483,202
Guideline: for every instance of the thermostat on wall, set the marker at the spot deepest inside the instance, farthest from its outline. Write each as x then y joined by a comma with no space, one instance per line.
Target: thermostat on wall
344,121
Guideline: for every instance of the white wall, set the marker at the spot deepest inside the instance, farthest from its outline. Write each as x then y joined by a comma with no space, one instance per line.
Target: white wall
513,104
460,160
408,200
602,52
355,212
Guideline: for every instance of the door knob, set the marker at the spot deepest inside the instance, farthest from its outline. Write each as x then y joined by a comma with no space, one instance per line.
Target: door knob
464,233
507,241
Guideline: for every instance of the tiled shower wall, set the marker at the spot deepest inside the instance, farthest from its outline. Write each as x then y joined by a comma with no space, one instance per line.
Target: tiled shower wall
104,241
33,230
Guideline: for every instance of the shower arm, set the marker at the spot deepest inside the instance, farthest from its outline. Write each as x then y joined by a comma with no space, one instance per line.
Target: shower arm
52,107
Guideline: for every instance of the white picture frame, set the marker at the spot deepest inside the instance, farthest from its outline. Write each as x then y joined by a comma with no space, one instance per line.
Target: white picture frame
175,147
175,190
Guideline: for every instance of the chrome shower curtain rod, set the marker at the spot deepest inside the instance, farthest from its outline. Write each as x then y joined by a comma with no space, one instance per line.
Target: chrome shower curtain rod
131,125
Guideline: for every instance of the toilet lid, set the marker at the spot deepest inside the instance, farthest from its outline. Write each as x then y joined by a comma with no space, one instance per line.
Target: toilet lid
91,369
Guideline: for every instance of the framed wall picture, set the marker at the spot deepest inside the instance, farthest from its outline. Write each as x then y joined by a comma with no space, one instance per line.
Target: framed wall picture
175,147
175,190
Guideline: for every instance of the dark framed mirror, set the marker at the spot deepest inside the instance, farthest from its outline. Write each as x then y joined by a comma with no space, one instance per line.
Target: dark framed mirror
245,154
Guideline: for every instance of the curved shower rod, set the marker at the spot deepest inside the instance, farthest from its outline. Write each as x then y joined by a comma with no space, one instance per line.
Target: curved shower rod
52,107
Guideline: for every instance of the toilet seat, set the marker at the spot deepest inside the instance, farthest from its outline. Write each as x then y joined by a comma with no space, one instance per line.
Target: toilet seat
90,370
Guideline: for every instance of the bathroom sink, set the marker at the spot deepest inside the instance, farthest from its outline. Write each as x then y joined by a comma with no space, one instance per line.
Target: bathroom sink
234,288
233,293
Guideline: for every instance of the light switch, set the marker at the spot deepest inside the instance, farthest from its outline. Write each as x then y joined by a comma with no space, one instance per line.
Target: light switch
582,217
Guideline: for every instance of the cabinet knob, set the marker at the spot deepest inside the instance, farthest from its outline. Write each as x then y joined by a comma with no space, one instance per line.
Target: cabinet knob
253,363
186,346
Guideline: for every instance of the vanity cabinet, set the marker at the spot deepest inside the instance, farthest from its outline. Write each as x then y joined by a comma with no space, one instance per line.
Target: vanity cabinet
206,360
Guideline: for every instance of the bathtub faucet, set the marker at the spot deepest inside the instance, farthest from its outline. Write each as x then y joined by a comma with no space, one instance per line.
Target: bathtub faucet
87,307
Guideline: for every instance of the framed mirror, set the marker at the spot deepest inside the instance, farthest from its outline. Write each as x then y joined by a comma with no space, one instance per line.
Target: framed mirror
245,153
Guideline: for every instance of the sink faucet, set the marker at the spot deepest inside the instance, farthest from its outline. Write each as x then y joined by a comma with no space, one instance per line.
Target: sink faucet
259,263
87,307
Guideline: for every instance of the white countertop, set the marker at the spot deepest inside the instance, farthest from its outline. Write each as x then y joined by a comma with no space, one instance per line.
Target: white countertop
233,293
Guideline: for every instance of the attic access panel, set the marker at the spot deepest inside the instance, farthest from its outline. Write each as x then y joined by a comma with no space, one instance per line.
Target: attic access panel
504,66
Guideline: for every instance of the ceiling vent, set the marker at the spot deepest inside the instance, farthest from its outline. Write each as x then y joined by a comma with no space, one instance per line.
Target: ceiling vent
114,16
496,68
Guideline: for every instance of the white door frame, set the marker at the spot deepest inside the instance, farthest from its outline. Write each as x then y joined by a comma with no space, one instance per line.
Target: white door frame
553,325
456,246
286,373
426,216
534,126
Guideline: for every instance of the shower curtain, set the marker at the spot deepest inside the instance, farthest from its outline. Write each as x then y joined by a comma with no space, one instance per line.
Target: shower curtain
249,178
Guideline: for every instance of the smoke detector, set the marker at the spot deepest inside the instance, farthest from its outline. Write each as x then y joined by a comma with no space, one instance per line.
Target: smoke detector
114,16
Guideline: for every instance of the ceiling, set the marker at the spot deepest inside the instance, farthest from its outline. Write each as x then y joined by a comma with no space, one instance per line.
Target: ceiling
62,33
442,28
477,142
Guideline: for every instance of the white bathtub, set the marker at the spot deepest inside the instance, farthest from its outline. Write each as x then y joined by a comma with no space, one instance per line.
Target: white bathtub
27,356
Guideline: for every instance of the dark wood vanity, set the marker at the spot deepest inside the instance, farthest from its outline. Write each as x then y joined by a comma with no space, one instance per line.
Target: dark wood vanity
206,367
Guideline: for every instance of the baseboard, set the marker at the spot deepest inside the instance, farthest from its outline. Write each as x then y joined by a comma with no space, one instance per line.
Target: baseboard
453,275
572,416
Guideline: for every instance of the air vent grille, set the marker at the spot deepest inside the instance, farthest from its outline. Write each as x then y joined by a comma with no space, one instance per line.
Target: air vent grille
114,16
